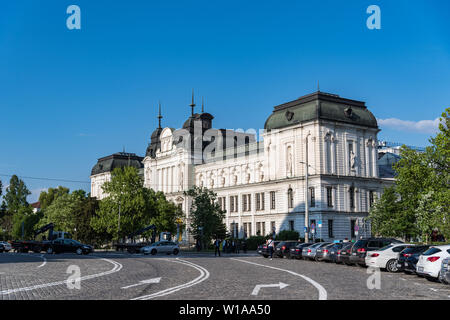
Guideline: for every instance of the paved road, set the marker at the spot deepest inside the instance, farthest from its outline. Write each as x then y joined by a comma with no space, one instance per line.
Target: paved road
199,277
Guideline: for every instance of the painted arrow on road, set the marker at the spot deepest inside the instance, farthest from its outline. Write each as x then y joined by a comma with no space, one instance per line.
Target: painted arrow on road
154,280
280,285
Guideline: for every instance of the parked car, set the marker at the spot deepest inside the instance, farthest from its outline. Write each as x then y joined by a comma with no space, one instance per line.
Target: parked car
361,247
333,251
264,250
429,264
343,254
386,257
445,271
296,252
312,250
283,249
167,247
323,253
408,258
5,246
68,246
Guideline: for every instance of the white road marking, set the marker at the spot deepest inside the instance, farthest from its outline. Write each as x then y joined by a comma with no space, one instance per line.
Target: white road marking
258,287
117,267
154,280
45,261
402,279
433,289
204,274
322,291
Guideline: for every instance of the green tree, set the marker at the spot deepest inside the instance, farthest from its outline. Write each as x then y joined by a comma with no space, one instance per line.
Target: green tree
125,192
206,215
16,195
166,214
47,197
29,219
385,214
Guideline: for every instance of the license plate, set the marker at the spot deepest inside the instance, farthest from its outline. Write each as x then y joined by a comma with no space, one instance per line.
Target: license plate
406,264
399,265
420,269
353,254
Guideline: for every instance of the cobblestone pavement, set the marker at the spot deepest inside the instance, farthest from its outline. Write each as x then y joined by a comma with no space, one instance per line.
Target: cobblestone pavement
200,277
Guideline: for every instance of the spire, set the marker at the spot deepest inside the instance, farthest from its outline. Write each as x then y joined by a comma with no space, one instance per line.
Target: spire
203,107
159,116
318,87
192,104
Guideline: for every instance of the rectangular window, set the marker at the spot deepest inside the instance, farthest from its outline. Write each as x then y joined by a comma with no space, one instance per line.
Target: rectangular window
236,206
244,202
291,225
352,197
330,229
312,200
231,204
352,227
371,199
272,226
290,198
258,202
249,233
249,199
263,225
329,197
350,152
262,200
272,200
258,229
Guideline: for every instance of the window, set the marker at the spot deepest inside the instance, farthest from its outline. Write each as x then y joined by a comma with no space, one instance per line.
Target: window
233,203
291,225
263,225
371,199
330,229
290,198
329,197
246,202
258,228
352,228
222,203
259,201
272,200
352,197
272,226
312,200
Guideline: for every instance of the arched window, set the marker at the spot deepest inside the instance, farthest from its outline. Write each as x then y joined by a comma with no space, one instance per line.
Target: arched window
290,198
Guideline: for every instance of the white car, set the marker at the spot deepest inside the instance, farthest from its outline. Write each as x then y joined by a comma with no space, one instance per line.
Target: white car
429,264
6,245
167,247
386,257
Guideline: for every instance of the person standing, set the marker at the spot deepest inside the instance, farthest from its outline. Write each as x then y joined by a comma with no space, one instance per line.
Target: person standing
217,247
270,245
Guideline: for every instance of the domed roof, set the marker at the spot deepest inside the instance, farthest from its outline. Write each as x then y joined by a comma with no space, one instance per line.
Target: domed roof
117,160
320,105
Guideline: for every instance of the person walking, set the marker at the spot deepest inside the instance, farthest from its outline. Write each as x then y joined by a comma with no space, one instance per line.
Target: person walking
217,247
270,245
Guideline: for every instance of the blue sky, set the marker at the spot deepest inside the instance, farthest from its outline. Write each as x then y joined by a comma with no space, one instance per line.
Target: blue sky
68,97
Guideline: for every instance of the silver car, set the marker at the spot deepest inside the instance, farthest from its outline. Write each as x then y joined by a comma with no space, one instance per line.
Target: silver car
167,247
308,253
444,275
6,246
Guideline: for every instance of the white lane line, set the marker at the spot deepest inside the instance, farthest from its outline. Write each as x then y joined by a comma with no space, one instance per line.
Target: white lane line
204,274
117,267
322,291
148,281
45,261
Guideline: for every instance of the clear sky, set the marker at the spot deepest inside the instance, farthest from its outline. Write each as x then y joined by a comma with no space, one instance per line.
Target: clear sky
68,97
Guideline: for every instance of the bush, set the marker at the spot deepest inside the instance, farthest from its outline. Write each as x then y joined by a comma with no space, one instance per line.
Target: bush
254,241
287,235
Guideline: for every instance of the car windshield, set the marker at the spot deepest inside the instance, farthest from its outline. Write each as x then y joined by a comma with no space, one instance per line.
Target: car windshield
76,242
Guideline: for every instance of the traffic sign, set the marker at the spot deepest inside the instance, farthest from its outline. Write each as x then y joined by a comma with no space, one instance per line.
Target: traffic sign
319,224
313,226
356,228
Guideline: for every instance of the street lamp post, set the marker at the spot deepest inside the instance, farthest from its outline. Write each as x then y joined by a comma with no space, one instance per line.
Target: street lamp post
306,190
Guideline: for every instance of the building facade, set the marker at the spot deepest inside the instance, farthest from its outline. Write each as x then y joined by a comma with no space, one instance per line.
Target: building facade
260,183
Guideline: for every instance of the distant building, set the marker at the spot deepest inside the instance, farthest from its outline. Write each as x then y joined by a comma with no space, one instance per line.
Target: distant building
261,184
36,207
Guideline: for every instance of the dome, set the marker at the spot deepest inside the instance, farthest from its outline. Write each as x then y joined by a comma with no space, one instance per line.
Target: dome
320,105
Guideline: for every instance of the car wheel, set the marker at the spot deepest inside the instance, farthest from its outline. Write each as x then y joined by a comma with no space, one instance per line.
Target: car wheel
391,265
175,251
50,250
153,252
79,251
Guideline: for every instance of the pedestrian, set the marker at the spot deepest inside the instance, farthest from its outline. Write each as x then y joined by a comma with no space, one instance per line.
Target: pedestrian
270,246
217,247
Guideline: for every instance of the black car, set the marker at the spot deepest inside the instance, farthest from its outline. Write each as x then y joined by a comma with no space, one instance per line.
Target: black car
264,250
2,248
343,254
69,246
361,247
408,258
283,249
333,251
296,252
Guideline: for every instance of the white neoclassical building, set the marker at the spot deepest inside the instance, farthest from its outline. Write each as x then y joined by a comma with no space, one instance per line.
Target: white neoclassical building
261,182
